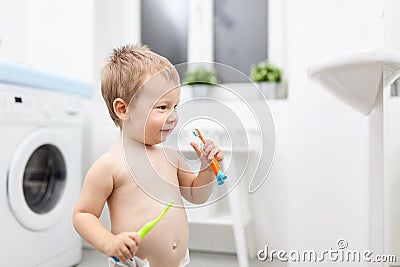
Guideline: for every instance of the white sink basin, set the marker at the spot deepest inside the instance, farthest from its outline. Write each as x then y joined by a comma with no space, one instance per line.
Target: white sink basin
356,78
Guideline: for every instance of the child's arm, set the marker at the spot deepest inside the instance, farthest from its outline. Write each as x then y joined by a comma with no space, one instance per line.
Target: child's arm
96,189
198,189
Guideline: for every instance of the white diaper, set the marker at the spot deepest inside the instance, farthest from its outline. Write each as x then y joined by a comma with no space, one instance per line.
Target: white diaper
136,262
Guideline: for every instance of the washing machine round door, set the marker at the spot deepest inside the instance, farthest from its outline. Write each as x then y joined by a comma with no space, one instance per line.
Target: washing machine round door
37,179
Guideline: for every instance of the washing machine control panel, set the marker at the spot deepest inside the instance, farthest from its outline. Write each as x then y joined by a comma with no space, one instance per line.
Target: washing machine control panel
15,106
25,104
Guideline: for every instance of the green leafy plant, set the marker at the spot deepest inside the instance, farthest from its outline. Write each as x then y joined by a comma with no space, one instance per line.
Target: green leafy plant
200,76
266,72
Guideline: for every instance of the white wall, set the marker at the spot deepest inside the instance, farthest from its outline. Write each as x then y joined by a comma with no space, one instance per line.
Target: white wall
14,30
60,37
328,184
391,36
318,189
392,174
391,138
53,36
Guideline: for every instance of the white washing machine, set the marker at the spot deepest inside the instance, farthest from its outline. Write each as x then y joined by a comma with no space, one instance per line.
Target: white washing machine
41,130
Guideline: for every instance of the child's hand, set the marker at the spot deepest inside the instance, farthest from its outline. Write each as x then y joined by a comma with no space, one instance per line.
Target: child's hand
123,245
209,151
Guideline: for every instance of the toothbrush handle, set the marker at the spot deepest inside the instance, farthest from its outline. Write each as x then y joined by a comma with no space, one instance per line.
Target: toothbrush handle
214,163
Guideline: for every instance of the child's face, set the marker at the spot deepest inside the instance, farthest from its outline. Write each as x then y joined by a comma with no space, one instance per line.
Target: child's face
153,115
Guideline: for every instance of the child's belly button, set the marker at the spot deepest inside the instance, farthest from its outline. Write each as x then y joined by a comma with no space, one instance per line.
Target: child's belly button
176,245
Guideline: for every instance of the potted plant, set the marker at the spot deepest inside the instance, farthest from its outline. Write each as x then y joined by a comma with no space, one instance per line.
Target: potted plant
200,80
269,79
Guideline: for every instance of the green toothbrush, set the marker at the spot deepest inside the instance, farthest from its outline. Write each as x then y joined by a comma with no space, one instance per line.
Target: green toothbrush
150,225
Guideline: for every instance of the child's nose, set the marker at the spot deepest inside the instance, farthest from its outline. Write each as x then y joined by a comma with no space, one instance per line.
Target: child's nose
173,117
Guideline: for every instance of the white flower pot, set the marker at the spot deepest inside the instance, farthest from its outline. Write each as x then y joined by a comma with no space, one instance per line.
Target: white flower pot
273,90
200,90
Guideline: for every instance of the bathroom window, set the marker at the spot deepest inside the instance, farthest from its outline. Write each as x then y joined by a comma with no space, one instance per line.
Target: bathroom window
164,28
240,35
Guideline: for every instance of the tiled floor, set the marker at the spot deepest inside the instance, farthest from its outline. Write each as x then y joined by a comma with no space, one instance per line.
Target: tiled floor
92,258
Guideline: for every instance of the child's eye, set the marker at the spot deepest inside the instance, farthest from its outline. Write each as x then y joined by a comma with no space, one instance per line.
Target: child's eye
175,106
162,107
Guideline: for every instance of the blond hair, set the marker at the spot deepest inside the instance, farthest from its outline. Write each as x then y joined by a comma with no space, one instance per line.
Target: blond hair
127,69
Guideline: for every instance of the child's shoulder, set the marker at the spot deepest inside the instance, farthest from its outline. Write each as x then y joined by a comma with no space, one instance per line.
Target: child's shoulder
107,162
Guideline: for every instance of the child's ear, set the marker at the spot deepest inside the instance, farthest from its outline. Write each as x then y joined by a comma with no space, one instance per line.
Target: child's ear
120,108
